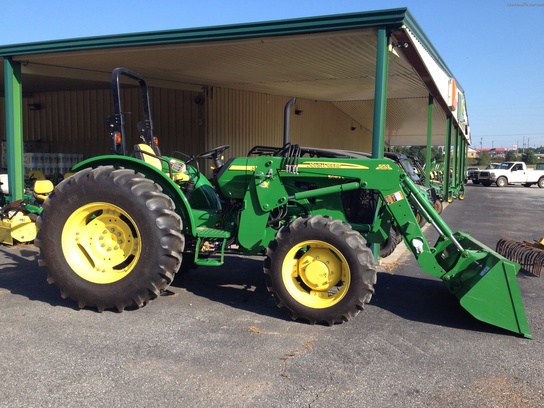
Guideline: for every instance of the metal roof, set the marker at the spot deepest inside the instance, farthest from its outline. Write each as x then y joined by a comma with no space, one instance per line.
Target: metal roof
328,58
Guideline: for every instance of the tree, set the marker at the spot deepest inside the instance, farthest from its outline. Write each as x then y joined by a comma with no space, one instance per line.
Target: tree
484,159
511,156
420,152
528,156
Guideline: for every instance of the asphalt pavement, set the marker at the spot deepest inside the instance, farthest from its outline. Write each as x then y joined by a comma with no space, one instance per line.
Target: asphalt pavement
220,341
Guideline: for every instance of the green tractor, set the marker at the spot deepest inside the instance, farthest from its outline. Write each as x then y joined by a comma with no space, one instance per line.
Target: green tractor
114,234
18,218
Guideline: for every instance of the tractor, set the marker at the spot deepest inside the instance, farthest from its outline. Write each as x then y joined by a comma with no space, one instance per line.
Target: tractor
18,217
114,234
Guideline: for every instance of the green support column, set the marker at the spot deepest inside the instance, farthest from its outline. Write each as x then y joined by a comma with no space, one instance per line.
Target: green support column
464,158
380,104
380,93
463,166
428,157
460,165
447,153
14,127
454,165
460,177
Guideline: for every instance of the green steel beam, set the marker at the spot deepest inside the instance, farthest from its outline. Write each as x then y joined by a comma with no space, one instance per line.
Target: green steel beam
380,93
380,104
454,178
460,151
460,169
463,160
447,153
428,157
14,127
392,18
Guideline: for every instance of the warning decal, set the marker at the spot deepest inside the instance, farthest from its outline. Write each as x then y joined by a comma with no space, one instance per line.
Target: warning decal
393,198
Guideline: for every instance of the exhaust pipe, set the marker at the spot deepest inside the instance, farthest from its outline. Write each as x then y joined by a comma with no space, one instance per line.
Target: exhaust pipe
287,120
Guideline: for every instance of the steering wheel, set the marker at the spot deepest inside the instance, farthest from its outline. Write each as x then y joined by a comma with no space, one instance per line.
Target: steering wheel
213,153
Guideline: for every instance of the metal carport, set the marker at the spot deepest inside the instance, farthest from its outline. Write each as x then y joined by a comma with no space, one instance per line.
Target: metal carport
378,68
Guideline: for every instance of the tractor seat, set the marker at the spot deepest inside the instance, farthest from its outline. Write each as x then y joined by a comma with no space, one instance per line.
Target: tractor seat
35,175
145,152
42,189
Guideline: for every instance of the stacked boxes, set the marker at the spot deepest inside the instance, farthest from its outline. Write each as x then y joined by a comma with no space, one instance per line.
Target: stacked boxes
51,163
37,157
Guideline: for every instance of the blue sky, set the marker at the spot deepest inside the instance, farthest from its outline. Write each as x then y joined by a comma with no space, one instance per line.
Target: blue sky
492,46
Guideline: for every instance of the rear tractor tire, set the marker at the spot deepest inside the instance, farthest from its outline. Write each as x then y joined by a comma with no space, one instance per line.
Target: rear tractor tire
109,238
320,270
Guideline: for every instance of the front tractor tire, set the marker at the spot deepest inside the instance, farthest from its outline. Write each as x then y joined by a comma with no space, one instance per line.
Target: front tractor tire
109,238
320,270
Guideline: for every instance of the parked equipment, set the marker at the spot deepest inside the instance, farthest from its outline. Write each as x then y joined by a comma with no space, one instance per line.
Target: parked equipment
530,255
113,235
17,218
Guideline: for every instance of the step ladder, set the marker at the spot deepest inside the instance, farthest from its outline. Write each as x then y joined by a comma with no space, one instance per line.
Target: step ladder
204,234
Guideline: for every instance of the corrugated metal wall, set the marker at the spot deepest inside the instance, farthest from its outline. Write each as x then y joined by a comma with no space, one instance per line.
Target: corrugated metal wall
190,122
244,119
75,121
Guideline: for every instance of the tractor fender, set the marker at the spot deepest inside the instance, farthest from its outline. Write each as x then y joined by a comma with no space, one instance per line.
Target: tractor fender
169,187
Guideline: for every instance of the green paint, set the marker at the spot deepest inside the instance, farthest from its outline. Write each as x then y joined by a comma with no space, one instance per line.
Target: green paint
14,128
430,106
380,92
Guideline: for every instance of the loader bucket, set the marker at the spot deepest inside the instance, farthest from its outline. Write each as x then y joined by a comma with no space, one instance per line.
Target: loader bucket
485,284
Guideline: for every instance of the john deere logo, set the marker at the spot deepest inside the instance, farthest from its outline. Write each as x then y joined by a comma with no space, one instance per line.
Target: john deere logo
384,167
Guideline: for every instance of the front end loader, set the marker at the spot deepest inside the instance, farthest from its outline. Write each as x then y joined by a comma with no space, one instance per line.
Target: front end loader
114,234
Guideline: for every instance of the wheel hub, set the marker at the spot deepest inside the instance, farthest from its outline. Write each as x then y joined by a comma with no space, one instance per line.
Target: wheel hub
100,243
319,269
107,239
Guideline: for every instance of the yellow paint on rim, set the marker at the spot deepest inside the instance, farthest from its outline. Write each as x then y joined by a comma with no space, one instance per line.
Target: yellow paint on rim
101,242
316,274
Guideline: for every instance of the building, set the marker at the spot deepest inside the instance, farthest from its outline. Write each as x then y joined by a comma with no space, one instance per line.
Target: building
362,81
494,151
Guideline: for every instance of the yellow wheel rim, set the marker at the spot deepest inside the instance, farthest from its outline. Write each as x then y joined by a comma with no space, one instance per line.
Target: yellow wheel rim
316,274
101,243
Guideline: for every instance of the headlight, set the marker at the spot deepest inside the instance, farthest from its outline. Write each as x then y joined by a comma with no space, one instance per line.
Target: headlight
492,174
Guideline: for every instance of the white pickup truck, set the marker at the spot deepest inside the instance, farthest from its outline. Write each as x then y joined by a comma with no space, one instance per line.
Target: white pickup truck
511,173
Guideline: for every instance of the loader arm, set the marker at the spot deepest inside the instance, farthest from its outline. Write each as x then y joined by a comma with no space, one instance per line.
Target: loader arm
484,282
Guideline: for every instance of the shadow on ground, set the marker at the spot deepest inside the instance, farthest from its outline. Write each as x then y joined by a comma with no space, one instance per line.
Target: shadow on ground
21,275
